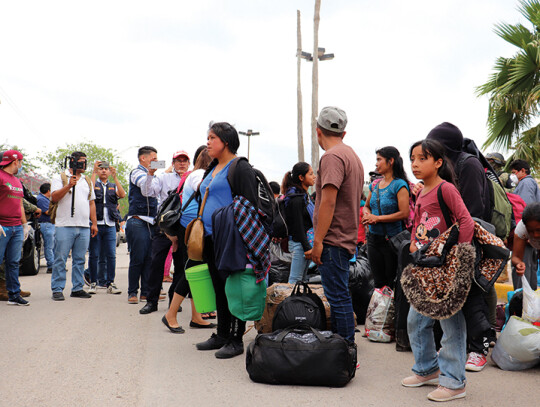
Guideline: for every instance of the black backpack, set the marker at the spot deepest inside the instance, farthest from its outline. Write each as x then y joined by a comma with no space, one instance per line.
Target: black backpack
273,222
301,307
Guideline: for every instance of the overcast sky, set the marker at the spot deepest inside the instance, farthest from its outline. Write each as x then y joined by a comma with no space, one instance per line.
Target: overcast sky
128,73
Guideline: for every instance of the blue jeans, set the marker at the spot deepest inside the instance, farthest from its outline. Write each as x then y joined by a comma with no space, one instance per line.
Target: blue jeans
75,240
47,232
300,264
335,280
452,355
139,238
102,256
10,250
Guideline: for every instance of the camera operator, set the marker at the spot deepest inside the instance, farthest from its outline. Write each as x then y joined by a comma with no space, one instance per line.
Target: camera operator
74,194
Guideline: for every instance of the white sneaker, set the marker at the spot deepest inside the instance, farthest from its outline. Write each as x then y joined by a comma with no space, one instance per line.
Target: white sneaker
92,289
112,289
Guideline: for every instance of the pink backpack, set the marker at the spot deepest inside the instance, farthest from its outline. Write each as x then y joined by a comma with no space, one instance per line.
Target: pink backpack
518,205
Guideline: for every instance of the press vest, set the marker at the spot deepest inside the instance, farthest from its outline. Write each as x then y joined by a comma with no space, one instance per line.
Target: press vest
111,200
140,205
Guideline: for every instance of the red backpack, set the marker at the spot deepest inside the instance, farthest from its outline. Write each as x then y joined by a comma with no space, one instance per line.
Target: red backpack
518,205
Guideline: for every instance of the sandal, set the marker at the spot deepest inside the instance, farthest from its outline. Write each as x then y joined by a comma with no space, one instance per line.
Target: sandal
209,315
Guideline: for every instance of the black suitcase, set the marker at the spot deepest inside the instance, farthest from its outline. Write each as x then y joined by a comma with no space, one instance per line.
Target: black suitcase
301,355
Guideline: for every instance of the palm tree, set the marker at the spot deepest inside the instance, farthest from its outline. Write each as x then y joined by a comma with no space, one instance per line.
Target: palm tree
514,89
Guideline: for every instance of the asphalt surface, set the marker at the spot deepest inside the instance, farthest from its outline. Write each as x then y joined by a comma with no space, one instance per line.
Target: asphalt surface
101,352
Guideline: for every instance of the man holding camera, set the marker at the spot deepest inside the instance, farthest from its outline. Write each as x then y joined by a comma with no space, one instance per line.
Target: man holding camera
74,194
144,189
102,254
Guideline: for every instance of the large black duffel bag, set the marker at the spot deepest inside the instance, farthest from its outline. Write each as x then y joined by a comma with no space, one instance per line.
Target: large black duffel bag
301,355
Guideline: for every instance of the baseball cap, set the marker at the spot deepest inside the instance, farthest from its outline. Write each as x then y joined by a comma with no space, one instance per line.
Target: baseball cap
333,119
11,155
180,154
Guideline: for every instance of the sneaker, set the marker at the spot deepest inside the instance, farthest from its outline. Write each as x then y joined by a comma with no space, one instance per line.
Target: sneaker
132,299
143,297
213,343
58,296
25,294
102,287
92,289
417,381
112,289
80,294
446,394
18,301
230,350
475,362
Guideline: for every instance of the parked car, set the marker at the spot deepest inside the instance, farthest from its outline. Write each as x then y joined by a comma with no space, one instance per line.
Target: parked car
31,251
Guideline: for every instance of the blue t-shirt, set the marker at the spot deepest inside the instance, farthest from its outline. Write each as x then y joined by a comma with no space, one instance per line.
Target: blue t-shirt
389,204
219,195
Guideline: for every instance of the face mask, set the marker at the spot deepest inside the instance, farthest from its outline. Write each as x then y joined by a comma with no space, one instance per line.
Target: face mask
514,179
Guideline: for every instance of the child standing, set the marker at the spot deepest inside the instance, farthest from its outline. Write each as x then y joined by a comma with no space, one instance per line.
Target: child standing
447,369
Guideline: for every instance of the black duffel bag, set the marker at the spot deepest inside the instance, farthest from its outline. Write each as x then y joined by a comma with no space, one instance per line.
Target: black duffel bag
301,355
301,307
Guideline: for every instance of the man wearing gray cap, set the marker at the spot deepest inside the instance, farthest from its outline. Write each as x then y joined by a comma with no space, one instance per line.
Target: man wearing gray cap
336,217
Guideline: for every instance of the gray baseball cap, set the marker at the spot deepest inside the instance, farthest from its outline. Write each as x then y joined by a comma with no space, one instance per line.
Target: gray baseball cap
333,119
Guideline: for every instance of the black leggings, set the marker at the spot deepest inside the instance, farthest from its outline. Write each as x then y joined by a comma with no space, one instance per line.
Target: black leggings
383,261
228,326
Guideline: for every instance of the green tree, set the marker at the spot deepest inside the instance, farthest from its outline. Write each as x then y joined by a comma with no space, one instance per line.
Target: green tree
55,163
514,89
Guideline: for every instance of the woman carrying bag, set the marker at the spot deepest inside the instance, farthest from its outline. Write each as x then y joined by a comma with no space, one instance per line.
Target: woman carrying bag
180,285
386,209
215,192
299,217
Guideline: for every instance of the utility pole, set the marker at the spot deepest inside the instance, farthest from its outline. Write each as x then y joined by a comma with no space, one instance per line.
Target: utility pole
315,89
299,87
249,133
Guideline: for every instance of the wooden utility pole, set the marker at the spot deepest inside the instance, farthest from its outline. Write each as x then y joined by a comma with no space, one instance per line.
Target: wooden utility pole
315,89
299,88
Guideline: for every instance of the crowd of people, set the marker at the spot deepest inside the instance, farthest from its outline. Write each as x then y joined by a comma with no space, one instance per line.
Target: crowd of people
79,213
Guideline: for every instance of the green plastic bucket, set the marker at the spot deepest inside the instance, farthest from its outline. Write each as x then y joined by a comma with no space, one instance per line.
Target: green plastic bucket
202,289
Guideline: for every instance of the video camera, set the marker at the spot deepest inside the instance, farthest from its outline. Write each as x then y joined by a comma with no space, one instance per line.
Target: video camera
74,163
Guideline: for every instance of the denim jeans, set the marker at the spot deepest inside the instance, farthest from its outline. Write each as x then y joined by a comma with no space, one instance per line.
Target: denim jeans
452,355
102,256
300,264
335,280
10,250
139,238
47,232
75,240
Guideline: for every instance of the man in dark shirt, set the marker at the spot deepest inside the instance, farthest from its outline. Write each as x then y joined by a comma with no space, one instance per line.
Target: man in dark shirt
46,227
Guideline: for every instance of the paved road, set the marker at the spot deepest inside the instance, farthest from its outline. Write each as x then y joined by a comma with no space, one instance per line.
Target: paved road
101,352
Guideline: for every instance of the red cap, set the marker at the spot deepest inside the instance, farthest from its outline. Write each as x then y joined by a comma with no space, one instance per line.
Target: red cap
180,154
10,156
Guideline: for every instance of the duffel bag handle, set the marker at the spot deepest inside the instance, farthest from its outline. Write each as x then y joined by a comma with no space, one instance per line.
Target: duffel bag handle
306,289
302,327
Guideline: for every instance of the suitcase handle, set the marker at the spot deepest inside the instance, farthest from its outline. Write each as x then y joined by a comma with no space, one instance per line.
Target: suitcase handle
299,327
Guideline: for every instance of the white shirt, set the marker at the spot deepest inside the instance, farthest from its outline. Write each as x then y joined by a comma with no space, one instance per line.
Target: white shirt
168,181
81,216
521,232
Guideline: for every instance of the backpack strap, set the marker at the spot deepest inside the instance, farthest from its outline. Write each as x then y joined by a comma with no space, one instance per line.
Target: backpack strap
443,206
90,186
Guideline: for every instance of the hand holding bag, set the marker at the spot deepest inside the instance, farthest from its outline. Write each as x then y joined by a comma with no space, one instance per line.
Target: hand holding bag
194,238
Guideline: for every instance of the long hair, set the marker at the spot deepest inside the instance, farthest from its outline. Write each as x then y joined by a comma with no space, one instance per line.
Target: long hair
397,168
436,150
292,178
203,160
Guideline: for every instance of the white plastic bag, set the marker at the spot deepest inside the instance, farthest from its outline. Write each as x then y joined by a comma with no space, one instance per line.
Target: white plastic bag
531,302
518,347
380,316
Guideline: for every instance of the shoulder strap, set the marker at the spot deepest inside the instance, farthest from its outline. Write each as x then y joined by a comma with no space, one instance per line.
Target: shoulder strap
232,169
444,207
90,186
380,211
64,178
459,163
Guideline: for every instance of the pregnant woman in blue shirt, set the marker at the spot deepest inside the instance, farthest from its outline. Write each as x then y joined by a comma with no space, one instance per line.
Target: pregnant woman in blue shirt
391,195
